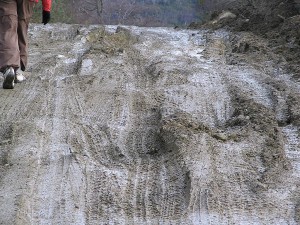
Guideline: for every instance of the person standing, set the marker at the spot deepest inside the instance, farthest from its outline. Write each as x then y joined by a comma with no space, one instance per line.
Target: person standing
14,22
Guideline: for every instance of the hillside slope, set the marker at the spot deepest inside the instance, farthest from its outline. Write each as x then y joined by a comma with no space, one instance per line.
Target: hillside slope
150,126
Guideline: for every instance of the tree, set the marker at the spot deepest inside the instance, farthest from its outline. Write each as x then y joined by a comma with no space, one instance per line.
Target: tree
90,8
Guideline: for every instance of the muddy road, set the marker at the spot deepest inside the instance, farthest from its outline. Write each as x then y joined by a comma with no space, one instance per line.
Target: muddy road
150,126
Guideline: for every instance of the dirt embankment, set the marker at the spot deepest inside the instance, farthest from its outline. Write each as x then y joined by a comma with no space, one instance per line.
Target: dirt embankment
277,21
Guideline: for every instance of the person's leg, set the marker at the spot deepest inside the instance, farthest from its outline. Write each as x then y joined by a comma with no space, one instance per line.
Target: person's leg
25,11
9,49
23,43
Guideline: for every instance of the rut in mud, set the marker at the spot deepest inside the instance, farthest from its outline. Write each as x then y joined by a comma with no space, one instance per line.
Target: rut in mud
150,126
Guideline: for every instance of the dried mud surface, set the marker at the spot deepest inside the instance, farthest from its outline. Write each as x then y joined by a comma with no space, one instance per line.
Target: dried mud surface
129,125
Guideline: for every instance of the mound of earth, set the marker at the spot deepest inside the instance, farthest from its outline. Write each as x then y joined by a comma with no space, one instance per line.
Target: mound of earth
276,21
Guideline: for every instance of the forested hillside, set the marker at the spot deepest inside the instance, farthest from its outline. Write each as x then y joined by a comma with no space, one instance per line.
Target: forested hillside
158,12
129,12
145,12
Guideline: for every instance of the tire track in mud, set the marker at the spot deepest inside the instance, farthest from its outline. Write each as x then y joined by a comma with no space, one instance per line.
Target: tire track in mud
50,184
114,155
61,181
